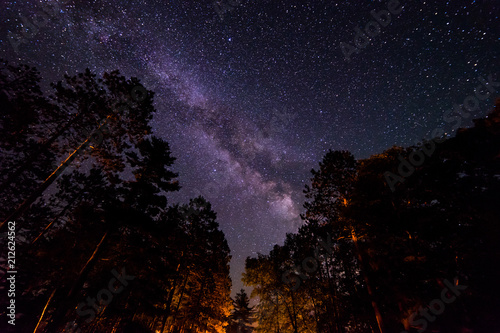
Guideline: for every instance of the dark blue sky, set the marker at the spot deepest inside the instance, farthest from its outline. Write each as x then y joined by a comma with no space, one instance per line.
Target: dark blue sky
250,100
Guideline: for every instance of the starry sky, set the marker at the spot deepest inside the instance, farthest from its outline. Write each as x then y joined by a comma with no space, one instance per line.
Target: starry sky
251,94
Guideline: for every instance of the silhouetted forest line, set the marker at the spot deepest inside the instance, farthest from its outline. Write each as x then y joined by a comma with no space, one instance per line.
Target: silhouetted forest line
424,258
100,248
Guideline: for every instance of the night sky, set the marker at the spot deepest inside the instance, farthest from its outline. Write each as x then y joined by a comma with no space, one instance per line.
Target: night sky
263,90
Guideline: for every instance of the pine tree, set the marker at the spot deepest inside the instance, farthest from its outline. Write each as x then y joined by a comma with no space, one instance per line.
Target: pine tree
242,316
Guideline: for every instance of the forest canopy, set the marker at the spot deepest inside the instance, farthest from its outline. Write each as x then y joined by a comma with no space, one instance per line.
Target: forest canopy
369,259
101,248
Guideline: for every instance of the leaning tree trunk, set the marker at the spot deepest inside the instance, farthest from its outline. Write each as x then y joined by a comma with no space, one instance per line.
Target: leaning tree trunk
48,226
47,182
61,311
35,156
44,309
88,266
376,309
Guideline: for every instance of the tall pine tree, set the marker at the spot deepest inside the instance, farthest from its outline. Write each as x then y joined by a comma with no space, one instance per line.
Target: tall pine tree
242,316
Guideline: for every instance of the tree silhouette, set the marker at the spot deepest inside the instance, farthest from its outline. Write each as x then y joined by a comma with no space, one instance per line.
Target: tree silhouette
242,316
107,213
392,253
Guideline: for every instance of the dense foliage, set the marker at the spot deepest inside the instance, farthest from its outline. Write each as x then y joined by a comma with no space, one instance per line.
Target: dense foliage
99,249
369,259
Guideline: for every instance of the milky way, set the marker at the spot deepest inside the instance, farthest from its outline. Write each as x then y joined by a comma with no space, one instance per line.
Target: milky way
250,99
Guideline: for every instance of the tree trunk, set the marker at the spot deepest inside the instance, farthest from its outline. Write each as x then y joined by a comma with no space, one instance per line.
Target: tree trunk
88,266
333,294
169,302
50,179
58,216
180,299
378,315
45,147
61,310
44,309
